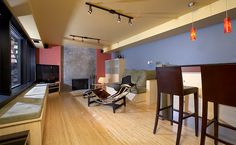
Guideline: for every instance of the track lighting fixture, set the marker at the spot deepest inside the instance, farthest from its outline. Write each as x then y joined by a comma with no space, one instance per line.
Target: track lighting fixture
111,11
130,22
84,37
191,4
90,10
119,19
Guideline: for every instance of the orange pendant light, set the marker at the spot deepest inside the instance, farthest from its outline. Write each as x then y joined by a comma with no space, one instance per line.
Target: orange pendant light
193,31
227,22
227,25
193,34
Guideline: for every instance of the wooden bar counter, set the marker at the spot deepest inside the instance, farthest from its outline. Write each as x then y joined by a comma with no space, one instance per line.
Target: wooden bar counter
192,77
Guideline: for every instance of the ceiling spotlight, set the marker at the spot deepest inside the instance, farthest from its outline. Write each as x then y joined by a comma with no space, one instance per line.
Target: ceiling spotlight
191,4
119,19
130,22
90,10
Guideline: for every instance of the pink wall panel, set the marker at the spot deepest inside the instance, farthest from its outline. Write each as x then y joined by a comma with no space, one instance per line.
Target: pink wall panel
51,56
100,63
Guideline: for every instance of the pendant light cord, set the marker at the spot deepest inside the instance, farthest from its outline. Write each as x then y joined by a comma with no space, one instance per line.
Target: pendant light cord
226,9
192,18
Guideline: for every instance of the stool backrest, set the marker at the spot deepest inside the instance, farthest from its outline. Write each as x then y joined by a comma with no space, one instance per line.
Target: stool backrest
169,80
219,83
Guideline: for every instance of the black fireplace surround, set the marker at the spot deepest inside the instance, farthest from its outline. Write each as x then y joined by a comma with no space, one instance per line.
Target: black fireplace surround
80,84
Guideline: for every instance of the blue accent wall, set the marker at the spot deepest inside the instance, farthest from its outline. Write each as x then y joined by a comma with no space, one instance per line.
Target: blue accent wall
211,46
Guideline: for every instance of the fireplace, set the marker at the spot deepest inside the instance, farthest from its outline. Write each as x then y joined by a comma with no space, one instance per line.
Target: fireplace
80,84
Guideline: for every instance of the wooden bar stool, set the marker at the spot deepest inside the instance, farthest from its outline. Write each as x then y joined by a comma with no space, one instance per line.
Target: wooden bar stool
218,86
170,82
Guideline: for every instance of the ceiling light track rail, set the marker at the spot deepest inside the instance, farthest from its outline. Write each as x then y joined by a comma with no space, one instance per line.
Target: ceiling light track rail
85,37
111,11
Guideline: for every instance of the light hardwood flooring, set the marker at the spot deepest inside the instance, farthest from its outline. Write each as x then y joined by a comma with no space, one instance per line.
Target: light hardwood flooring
70,122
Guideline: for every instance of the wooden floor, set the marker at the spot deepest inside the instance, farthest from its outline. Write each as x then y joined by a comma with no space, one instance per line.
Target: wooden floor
70,122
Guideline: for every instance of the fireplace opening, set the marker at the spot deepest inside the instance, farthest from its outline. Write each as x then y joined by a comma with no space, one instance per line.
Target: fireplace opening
80,84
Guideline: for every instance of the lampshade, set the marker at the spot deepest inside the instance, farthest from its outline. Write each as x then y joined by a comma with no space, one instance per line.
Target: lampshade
102,80
227,25
193,34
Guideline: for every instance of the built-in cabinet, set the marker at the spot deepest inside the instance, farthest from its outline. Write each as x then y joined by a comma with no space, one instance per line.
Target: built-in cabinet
114,69
54,87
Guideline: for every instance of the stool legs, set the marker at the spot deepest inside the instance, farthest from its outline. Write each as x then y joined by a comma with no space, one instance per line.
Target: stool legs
181,109
196,112
172,108
216,119
157,112
204,122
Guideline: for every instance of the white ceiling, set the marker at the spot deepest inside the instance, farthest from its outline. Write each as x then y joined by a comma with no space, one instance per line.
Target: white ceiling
55,20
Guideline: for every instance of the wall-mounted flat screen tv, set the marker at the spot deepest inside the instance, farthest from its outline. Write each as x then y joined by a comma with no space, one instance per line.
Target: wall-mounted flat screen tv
47,73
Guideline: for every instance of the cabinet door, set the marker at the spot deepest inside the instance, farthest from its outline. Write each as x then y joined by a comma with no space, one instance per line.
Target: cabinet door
107,67
114,69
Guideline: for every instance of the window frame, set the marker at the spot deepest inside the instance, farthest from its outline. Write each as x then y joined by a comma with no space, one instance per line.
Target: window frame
16,35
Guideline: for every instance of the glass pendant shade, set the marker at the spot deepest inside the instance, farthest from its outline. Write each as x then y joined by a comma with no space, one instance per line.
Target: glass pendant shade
193,34
227,25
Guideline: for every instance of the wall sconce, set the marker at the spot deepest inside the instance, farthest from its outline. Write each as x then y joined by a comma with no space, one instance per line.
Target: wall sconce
85,37
111,11
149,62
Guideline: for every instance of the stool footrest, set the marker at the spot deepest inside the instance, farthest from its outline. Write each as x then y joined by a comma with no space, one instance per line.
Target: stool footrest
184,117
167,107
210,122
189,115
168,119
185,113
227,126
220,140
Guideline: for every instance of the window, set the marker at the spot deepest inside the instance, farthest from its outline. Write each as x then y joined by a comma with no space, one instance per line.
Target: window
15,58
